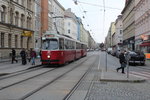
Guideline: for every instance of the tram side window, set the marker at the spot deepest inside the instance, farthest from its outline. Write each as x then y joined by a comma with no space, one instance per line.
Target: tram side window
61,44
78,46
66,44
69,44
73,44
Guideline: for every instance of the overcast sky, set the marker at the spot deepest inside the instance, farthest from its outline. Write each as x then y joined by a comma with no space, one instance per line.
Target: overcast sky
94,19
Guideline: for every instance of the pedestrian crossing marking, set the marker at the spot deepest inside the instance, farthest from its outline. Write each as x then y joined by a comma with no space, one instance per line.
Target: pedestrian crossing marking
144,75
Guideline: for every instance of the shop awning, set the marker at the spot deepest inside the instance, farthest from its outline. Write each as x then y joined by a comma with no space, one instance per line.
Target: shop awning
145,44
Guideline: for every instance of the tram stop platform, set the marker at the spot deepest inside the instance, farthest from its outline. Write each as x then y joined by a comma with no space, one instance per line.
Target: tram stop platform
8,68
111,75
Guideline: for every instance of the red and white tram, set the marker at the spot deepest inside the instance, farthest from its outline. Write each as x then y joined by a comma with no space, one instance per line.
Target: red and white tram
59,49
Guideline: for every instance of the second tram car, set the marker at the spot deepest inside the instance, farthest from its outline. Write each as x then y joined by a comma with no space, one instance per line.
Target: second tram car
59,49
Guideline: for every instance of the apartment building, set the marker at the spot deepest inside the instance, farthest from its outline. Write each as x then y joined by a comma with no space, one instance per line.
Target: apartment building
118,36
128,19
16,25
142,25
70,24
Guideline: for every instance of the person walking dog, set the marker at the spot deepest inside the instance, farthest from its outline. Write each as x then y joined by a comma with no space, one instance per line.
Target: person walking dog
122,61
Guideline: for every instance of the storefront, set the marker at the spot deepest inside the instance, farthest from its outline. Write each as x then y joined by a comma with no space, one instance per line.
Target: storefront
129,43
145,46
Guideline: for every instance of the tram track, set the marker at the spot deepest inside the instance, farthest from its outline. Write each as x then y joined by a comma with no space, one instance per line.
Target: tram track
72,91
21,72
43,85
50,82
3,87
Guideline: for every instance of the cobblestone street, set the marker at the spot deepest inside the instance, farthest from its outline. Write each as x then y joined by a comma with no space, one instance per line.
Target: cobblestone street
119,91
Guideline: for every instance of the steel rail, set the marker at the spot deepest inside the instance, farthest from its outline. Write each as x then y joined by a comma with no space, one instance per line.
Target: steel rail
67,97
50,82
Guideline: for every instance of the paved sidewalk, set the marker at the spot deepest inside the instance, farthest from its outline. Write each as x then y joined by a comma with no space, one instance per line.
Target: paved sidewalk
7,67
112,75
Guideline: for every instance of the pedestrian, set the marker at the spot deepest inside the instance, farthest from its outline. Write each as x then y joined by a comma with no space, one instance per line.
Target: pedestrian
40,53
33,56
14,56
23,56
122,61
28,55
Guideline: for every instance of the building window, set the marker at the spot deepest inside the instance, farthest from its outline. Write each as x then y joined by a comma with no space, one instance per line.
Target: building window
120,31
21,42
2,40
3,14
49,2
16,41
12,15
29,4
29,23
68,23
22,2
22,20
17,18
9,40
17,1
68,31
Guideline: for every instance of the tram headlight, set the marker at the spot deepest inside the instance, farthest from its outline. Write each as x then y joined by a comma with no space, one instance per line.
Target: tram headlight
48,56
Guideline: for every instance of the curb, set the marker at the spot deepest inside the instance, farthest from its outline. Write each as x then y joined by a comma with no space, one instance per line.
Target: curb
4,74
34,66
127,81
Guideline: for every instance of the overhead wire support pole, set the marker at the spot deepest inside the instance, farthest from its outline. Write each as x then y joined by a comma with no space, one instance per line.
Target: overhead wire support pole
104,31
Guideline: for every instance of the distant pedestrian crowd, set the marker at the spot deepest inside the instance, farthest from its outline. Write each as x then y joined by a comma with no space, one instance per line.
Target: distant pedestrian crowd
28,55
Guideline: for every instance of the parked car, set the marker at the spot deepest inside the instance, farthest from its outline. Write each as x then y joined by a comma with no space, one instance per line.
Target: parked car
136,58
117,53
109,50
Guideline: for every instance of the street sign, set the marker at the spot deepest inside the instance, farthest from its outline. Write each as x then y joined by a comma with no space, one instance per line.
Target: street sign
27,33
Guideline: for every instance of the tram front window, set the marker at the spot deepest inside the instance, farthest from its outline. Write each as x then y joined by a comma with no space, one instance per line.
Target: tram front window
50,45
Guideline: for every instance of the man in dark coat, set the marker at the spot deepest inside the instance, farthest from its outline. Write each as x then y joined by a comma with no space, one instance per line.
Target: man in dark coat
14,56
122,61
23,56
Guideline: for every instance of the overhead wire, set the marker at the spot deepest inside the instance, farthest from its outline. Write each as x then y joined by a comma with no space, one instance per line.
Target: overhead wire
96,5
86,18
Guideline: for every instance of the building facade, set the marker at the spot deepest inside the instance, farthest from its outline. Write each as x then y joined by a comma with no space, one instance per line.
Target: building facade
142,25
118,36
16,26
57,17
37,33
70,24
128,19
112,32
